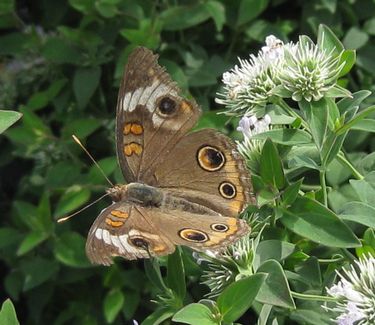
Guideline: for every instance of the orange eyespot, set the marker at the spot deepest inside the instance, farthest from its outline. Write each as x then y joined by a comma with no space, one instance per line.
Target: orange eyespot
220,227
193,235
210,158
227,190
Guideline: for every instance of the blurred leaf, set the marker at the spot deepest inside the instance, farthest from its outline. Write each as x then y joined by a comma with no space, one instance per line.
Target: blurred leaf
275,289
7,118
152,270
355,38
38,271
217,12
309,270
307,316
239,296
195,314
182,17
367,125
62,174
359,212
112,305
73,198
364,189
85,82
310,219
59,51
250,9
84,6
32,240
70,250
9,236
8,313
359,117
271,169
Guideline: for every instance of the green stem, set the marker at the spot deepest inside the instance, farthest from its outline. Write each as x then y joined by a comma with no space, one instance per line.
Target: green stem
304,296
287,109
342,159
322,176
331,260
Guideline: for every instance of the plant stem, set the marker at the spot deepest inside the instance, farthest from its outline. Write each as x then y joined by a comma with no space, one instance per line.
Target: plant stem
287,109
322,176
304,296
342,159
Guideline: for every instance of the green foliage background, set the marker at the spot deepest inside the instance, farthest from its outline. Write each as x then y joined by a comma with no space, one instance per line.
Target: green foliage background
61,64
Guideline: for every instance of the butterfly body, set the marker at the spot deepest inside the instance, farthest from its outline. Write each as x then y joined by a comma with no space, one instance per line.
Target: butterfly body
183,188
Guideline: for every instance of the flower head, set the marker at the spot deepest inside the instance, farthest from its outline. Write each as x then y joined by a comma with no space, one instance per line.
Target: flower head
226,267
308,71
355,294
248,87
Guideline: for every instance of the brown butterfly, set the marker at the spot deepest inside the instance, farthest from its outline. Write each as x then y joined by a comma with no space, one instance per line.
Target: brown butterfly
183,188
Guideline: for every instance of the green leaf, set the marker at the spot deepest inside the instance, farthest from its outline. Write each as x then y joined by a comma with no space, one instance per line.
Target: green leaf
312,220
313,317
152,270
275,289
317,116
364,189
239,296
7,118
182,17
250,9
158,316
264,314
195,314
176,274
328,41
70,250
291,192
349,57
32,240
309,270
272,249
73,198
367,125
360,116
271,169
112,305
288,137
346,105
8,313
217,13
85,82
359,212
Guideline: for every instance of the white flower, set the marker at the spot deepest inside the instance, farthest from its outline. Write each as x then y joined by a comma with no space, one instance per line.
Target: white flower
248,86
250,148
308,71
274,48
355,294
224,268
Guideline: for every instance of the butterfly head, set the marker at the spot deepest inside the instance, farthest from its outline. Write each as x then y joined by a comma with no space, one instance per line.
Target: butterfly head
118,192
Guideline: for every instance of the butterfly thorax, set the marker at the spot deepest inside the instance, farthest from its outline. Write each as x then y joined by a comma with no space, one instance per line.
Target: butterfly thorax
138,193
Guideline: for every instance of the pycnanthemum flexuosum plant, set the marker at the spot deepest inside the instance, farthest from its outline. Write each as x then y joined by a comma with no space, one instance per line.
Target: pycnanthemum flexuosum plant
355,293
302,70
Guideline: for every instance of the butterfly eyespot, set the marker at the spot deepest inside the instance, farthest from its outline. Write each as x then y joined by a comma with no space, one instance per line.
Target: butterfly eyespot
227,190
167,106
219,227
210,158
138,242
193,235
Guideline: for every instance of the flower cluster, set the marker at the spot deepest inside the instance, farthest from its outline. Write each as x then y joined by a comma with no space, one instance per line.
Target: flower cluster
355,294
298,71
228,266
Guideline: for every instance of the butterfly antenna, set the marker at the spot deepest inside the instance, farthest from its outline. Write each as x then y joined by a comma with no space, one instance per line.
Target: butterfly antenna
60,220
91,157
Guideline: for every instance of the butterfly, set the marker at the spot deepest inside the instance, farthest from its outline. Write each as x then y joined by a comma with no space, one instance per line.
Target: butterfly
182,188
